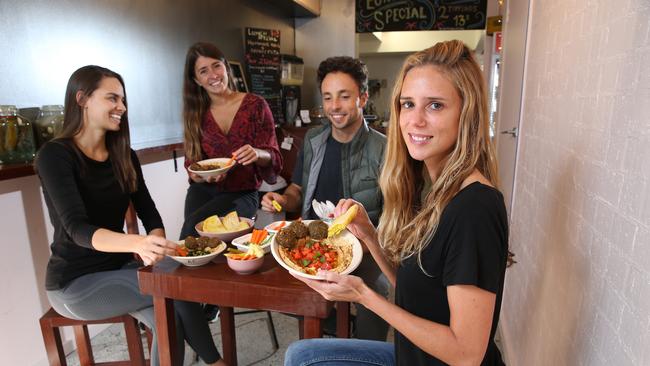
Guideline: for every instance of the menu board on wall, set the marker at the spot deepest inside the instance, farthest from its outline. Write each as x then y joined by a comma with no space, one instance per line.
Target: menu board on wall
263,64
413,15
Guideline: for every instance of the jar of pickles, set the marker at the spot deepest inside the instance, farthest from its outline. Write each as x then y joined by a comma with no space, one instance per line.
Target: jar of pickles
16,137
49,123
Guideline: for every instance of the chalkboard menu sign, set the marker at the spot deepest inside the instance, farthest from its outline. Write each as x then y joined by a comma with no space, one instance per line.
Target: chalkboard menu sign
263,64
413,15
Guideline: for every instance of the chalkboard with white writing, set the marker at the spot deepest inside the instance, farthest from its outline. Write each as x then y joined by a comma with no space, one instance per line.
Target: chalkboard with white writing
413,15
262,48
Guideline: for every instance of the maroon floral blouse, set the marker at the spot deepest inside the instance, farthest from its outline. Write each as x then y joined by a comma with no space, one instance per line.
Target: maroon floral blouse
253,124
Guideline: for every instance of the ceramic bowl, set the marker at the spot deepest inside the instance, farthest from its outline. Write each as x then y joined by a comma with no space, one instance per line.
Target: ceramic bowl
214,172
198,260
357,255
245,267
242,242
227,236
275,226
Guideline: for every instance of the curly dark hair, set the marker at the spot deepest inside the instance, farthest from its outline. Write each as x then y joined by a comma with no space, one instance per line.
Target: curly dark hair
351,66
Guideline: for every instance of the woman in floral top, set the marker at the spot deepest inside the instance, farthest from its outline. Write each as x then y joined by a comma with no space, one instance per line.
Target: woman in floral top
221,122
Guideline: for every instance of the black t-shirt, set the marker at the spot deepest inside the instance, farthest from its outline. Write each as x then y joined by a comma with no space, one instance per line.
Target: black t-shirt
82,196
330,183
469,247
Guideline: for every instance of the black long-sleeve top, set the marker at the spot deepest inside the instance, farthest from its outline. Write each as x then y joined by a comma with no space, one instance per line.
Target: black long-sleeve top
82,196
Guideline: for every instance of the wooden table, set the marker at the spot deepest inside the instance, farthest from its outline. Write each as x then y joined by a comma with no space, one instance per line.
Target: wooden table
272,288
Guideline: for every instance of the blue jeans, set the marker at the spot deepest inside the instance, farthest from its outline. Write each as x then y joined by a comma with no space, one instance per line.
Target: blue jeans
339,352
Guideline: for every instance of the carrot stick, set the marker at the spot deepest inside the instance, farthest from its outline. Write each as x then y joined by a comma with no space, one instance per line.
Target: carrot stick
255,236
232,159
263,234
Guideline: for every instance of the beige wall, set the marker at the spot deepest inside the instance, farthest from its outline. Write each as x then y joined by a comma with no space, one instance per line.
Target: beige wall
580,222
331,34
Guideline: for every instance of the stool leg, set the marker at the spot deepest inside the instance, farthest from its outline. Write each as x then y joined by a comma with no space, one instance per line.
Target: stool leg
274,336
149,338
134,341
53,344
84,349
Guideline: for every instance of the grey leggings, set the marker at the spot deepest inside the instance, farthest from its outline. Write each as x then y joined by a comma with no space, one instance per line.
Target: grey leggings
107,294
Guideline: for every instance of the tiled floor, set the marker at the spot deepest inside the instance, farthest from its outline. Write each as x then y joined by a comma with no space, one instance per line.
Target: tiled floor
253,341
254,346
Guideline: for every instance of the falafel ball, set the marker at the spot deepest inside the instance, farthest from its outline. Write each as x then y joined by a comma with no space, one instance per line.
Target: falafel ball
299,229
286,238
203,242
213,242
190,242
318,230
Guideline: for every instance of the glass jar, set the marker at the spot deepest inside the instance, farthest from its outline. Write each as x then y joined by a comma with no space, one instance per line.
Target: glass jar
16,137
49,123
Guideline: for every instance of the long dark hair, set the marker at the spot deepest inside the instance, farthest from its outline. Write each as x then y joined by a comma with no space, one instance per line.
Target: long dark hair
86,80
196,100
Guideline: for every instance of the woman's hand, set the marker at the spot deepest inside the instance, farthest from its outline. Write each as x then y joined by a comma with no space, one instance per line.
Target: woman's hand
195,177
152,249
360,226
337,287
247,154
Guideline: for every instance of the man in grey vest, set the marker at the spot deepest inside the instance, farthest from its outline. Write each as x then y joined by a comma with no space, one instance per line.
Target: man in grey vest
342,159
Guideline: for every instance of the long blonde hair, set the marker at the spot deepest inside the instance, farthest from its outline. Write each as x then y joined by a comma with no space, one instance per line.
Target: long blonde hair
196,101
408,222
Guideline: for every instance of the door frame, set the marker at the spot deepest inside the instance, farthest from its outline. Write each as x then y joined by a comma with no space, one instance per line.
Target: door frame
511,92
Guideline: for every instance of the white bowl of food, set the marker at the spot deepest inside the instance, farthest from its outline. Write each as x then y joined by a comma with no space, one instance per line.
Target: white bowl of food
211,167
275,226
201,252
244,241
304,256
225,228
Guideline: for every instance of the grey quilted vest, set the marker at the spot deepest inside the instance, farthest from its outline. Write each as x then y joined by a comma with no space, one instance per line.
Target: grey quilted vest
361,165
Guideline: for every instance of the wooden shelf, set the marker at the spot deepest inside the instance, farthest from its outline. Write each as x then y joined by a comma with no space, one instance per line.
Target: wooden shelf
12,171
15,171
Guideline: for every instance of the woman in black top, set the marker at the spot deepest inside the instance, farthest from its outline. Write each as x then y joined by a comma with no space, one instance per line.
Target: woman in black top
443,235
89,175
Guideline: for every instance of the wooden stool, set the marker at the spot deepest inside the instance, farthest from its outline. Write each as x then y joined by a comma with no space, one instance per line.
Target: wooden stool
52,321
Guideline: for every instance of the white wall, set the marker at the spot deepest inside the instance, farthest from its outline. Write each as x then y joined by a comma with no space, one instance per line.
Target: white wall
168,191
410,41
331,34
580,294
24,241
